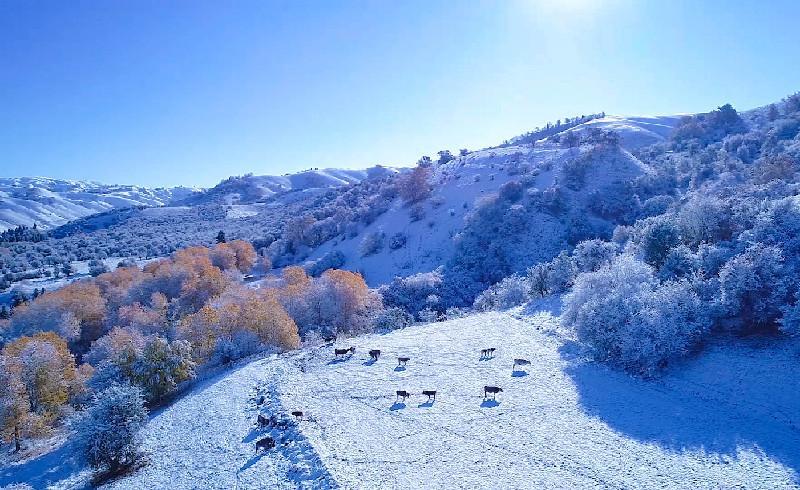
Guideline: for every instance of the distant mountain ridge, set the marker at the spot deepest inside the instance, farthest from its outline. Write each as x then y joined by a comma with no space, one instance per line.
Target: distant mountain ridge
52,202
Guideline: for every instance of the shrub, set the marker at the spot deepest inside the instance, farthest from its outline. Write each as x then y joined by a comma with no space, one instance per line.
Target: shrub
628,321
109,430
372,243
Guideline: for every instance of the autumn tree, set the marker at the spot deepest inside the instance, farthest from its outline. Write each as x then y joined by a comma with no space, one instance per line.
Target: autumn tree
41,379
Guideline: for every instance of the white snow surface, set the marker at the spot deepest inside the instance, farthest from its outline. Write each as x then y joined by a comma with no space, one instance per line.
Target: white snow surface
635,131
728,419
53,202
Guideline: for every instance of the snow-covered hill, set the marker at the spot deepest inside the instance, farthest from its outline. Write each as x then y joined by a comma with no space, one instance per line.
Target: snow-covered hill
635,131
458,187
254,188
52,202
729,419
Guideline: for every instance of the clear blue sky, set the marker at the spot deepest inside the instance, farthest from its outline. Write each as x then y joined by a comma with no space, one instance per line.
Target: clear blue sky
189,92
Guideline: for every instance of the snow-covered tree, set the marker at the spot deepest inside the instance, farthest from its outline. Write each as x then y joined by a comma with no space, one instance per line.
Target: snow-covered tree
109,430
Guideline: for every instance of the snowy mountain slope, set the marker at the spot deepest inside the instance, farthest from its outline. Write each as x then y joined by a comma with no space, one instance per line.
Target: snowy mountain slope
52,202
635,131
458,185
252,188
726,420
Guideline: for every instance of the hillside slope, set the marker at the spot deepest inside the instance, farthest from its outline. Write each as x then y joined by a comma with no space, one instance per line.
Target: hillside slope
729,419
52,202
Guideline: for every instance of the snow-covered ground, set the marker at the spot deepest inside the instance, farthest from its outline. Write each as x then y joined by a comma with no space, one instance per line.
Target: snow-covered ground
728,419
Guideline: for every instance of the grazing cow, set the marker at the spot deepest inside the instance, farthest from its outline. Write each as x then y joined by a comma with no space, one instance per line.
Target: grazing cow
261,400
344,352
401,361
297,415
402,394
263,421
430,394
329,339
487,353
494,390
374,354
520,362
266,444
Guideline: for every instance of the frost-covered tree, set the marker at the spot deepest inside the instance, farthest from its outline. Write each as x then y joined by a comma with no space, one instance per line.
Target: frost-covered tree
109,430
753,288
415,186
512,291
631,321
372,243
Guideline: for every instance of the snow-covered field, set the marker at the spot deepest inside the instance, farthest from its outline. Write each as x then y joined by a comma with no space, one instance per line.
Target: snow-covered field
728,419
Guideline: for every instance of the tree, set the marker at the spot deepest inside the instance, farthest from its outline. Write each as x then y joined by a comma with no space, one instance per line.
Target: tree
630,321
221,237
414,186
39,379
161,366
445,156
109,430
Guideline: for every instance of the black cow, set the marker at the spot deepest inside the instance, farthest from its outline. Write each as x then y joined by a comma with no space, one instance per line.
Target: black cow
402,394
401,361
344,352
430,394
375,354
487,353
266,444
494,390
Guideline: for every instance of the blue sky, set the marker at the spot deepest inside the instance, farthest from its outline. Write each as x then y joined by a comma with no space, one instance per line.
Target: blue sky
189,92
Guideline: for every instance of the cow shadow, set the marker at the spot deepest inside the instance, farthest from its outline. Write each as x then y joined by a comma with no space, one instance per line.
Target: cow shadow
254,433
427,404
490,404
518,374
399,369
369,363
397,406
739,409
338,361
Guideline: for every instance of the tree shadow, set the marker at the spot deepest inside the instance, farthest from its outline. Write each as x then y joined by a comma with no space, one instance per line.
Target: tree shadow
44,470
254,433
397,406
250,462
518,374
736,404
400,368
490,404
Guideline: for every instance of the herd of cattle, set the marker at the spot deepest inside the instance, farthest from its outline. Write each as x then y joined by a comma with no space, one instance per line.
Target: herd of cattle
281,423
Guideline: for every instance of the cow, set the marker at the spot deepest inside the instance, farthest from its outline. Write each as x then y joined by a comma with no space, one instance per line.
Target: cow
494,390
430,394
263,422
265,443
488,353
374,354
261,400
401,361
344,352
520,362
329,339
298,415
402,394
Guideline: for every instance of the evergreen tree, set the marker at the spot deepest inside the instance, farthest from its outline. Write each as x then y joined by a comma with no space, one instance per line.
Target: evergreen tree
221,237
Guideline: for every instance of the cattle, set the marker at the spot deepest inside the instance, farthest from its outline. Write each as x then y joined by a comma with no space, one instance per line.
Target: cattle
520,362
401,361
402,394
329,339
430,394
298,415
374,354
494,390
261,400
488,353
263,422
265,443
344,352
